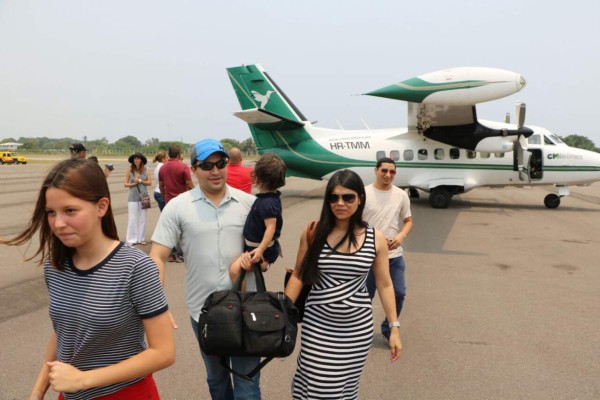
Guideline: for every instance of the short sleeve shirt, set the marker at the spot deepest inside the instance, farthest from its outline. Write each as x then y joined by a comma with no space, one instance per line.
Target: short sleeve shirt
174,174
211,239
97,313
386,211
267,205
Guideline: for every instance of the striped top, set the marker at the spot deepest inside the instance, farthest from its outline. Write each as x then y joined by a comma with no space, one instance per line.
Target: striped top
97,313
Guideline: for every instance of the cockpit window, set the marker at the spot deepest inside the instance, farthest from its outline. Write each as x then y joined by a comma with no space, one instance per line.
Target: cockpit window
548,140
555,138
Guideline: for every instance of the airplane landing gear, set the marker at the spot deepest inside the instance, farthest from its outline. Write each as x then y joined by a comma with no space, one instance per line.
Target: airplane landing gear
439,197
413,193
552,200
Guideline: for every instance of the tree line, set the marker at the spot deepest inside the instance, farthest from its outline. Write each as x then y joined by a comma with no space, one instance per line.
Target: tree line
125,145
129,144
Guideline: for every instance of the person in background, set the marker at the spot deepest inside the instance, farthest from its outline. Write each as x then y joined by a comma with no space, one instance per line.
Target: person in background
159,158
388,210
208,221
174,178
108,168
337,330
263,225
78,150
137,180
104,297
238,175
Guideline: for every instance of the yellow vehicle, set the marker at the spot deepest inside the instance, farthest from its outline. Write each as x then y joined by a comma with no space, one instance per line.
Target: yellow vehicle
9,157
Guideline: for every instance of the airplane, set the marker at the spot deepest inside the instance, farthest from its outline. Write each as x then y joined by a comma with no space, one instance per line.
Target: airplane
445,150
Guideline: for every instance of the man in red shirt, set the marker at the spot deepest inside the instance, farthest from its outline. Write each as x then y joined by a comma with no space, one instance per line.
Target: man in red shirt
238,176
174,178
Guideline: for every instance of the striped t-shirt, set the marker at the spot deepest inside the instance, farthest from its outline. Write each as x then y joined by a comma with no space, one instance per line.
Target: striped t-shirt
97,313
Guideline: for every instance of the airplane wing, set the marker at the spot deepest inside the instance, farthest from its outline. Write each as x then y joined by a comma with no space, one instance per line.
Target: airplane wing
441,106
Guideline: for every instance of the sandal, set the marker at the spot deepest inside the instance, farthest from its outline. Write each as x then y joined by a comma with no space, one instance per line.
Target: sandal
143,242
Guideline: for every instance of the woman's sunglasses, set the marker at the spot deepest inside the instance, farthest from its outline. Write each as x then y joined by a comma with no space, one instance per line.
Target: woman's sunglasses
346,198
208,166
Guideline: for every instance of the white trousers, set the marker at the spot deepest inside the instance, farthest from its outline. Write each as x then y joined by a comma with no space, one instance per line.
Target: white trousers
136,227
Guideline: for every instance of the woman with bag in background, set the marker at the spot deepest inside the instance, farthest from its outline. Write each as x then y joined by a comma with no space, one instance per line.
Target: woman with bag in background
104,297
338,314
137,180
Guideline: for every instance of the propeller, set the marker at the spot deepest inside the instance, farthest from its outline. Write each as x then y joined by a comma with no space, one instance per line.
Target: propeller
520,122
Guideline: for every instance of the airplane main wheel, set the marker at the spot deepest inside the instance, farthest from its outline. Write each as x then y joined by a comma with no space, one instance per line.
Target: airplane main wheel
552,201
439,198
413,193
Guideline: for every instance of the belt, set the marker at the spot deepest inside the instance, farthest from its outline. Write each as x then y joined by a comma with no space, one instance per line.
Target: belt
254,244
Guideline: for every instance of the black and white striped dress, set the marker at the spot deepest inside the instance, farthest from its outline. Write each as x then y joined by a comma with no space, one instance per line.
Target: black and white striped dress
338,326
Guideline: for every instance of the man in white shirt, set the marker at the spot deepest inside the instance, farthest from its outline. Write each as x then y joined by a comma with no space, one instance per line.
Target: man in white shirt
387,209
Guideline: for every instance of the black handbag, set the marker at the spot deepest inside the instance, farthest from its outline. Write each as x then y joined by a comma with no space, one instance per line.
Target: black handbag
258,324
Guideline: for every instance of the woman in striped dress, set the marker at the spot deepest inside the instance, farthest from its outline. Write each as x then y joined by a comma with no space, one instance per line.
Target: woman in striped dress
338,324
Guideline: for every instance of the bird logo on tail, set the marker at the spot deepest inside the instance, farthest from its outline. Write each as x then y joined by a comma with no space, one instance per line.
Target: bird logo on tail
262,98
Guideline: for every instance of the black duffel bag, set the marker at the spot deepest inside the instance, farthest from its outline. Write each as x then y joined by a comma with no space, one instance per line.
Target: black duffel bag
257,324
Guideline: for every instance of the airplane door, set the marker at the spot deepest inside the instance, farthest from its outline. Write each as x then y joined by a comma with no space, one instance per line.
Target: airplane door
535,164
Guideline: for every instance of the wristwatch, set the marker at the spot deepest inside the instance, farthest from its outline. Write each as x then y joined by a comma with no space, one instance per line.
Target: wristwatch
394,324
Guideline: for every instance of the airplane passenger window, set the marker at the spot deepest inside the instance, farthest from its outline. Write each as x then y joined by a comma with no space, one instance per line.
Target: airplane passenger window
471,154
438,154
499,155
422,154
534,139
395,155
380,154
454,153
484,154
408,155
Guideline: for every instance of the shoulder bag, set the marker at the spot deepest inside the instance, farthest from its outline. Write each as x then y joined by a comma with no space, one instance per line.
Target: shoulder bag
258,324
144,198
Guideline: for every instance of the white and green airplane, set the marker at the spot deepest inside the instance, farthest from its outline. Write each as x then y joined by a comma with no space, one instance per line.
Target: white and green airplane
445,150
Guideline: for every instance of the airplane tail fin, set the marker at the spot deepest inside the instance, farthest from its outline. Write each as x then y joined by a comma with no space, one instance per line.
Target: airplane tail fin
265,108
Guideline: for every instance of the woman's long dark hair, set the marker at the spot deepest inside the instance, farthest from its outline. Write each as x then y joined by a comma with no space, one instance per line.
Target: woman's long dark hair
80,178
350,180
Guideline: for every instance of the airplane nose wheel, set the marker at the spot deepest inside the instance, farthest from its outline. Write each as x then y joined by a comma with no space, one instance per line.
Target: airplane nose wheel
552,201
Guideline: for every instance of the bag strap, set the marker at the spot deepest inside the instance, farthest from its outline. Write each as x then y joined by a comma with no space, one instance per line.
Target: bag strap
250,374
310,232
258,277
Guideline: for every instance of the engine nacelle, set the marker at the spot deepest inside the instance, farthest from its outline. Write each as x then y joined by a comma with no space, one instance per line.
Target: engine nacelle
496,144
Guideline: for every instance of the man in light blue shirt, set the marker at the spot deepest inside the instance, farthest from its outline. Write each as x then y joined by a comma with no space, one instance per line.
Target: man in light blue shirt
208,221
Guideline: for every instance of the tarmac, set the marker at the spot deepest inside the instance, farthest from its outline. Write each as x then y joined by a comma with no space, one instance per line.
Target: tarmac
503,297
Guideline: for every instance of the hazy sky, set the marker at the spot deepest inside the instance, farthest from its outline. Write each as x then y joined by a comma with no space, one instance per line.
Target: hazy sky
156,69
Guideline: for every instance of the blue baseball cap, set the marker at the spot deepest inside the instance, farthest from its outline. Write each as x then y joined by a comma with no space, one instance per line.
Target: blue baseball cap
205,148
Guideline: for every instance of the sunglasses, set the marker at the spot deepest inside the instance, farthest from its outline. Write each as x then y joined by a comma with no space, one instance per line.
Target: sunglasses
208,166
385,171
346,198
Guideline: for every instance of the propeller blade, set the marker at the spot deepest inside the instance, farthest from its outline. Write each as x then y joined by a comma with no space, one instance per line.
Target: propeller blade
520,114
523,142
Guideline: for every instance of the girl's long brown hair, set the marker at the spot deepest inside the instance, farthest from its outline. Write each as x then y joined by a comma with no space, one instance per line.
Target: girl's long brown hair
80,178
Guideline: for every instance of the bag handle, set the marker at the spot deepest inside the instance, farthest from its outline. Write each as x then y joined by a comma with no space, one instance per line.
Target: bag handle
258,277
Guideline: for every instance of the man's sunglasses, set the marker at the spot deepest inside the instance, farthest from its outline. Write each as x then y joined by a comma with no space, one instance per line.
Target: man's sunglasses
208,166
385,171
346,197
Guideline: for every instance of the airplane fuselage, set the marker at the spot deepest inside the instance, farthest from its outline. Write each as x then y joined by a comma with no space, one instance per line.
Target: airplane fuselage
425,163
